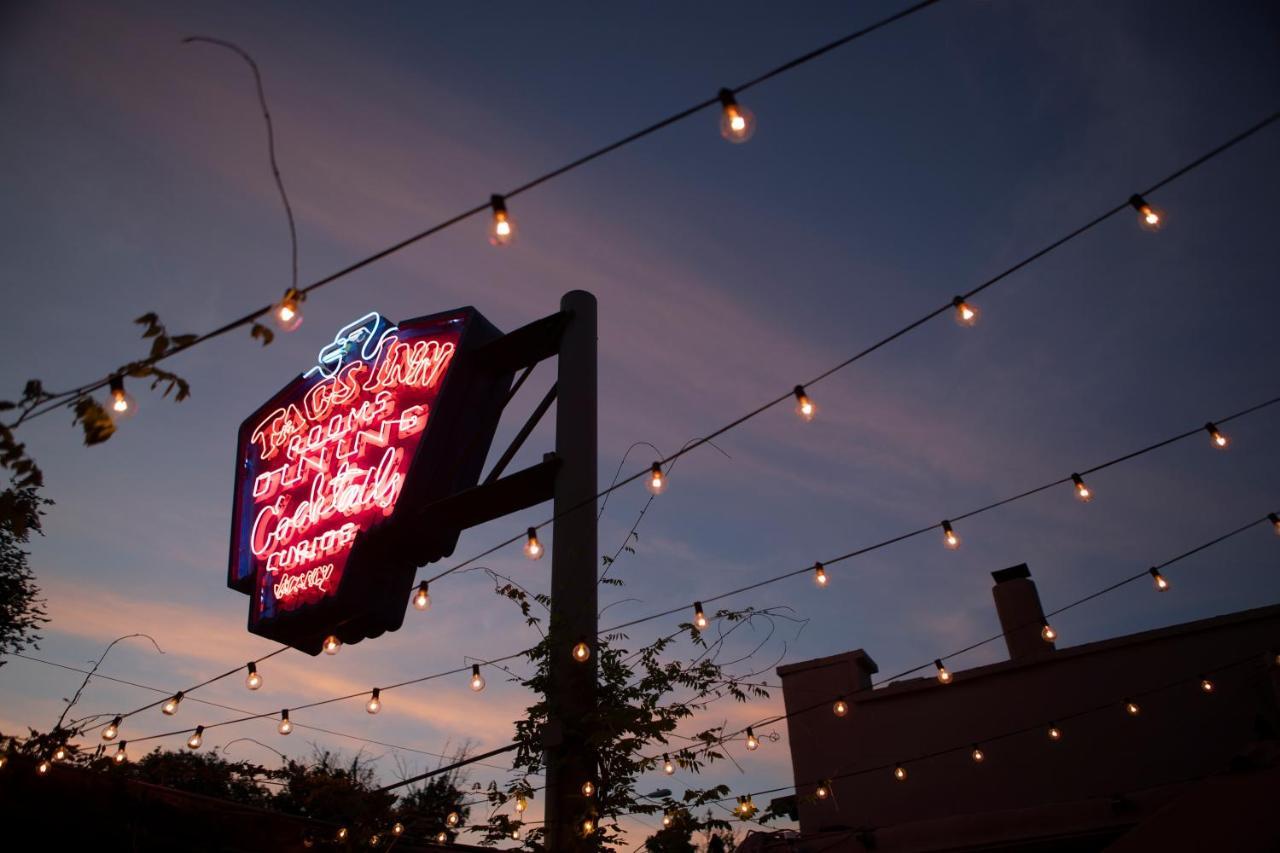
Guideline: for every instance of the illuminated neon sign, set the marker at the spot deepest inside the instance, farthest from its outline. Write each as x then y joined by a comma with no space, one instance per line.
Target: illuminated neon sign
389,418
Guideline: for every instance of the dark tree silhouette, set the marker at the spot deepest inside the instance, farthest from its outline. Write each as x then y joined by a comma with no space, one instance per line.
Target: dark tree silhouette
21,608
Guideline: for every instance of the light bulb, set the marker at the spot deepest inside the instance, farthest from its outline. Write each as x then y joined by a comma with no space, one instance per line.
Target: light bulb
285,726
900,773
1131,708
581,652
515,833
122,403
1275,522
170,706
944,677
442,837
977,755
822,791
4,759
43,767
737,123
532,547
1055,733
699,618
588,788
502,230
840,708
477,680
966,314
819,574
112,729
1082,491
398,829
1160,582
373,840
342,833
453,818
656,483
1150,218
1216,438
253,680
521,804
668,766
753,742
805,407
332,644
422,598
1047,633
1206,686
60,753
197,738
287,313
121,756
588,826
667,820
949,537
374,705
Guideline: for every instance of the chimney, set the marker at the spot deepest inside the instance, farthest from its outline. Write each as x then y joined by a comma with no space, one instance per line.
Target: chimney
1021,616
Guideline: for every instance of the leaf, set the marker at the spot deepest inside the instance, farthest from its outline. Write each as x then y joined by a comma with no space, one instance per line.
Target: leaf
184,340
97,424
261,332
159,346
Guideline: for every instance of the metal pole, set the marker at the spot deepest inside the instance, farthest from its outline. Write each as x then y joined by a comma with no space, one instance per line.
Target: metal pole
571,696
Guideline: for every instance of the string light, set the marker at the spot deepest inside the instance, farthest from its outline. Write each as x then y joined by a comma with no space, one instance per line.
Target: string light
122,404
502,231
453,818
977,754
532,547
1219,440
521,804
588,788
1206,686
966,314
737,123
840,708
332,644
60,753
170,707
667,766
342,833
43,767
1149,217
1055,733
753,742
667,820
1131,708
1047,633
699,618
1161,584
112,729
121,756
442,837
374,705
1082,491
287,313
588,826
656,483
477,680
819,575
422,598
944,677
398,829
285,726
949,537
197,738
4,759
373,840
805,407
253,680
515,833
581,652
900,773
822,791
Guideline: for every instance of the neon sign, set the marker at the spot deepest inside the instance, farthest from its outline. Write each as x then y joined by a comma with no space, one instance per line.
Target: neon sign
389,413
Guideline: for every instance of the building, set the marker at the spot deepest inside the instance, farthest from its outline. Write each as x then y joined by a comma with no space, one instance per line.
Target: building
1163,740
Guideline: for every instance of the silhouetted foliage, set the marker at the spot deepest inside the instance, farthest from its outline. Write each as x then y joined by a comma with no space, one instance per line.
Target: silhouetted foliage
21,608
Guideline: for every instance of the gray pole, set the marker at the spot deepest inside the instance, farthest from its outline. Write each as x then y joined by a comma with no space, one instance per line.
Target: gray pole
571,696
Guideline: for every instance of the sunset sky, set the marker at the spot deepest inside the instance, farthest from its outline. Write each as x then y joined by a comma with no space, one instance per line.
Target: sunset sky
883,179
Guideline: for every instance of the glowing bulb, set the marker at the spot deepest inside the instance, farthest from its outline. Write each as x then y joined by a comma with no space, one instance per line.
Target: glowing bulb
197,738
588,826
819,574
822,791
122,403
43,767
170,706
737,124
667,820
453,818
656,482
532,547
977,755
342,833
1206,686
373,840
1160,582
521,804
588,788
1150,218
287,313
121,756
442,837
1131,708
502,230
840,708
581,652
1047,633
374,705
900,773
60,753
1275,522
699,618
753,742
398,829
805,407
966,314
1082,491
477,680
422,598
944,677
332,644
285,726
1055,733
949,537
668,766
112,729
1216,438
515,833
3,761
253,680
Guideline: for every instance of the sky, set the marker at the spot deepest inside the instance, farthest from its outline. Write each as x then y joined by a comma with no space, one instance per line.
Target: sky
883,179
